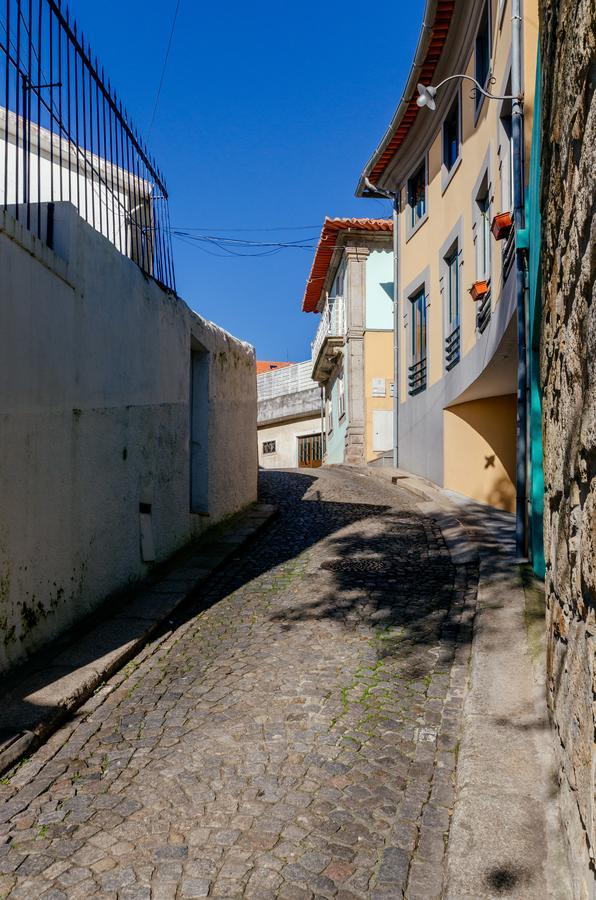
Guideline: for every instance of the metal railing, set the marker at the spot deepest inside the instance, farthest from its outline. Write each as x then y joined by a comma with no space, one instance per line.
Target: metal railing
331,325
65,136
287,380
452,348
483,311
508,253
417,376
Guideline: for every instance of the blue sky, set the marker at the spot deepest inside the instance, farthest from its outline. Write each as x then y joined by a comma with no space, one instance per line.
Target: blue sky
266,116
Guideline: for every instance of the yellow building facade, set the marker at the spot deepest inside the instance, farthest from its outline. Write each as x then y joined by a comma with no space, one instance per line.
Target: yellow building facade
452,170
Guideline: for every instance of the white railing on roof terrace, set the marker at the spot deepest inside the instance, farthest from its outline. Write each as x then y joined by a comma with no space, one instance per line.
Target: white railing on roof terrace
331,325
288,380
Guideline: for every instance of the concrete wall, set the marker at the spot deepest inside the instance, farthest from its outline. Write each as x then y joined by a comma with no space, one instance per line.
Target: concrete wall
336,438
378,364
285,434
568,351
379,289
486,471
95,414
292,406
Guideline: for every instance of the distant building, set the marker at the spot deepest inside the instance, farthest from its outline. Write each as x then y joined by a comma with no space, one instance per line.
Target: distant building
289,426
268,366
351,288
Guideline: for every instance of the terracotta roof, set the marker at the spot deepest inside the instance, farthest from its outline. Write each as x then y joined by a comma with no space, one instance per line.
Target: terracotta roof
430,47
268,366
326,246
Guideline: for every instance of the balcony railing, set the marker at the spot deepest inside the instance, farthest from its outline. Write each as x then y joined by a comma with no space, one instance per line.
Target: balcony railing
417,376
65,136
330,326
483,311
287,380
452,351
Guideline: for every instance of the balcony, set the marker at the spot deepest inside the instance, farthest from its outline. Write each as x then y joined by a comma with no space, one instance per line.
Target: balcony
328,340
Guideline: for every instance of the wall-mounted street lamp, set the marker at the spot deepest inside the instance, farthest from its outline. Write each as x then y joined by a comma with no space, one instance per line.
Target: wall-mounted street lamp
426,95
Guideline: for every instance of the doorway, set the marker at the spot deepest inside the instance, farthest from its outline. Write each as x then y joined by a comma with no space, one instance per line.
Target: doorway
310,451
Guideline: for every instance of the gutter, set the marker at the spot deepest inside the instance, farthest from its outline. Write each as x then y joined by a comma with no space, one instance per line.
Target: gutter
426,32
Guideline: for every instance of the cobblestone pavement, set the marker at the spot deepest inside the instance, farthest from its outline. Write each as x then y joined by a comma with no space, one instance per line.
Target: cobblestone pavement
296,736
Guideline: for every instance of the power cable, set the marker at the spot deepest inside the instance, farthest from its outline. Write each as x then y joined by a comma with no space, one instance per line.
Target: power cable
163,71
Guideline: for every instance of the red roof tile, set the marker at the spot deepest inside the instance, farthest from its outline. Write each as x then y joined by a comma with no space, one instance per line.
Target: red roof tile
268,366
326,246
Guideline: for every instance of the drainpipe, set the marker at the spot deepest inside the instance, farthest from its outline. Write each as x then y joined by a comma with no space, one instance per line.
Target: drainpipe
395,329
517,128
373,191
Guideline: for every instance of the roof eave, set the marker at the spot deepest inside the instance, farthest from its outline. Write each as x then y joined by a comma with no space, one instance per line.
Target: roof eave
430,11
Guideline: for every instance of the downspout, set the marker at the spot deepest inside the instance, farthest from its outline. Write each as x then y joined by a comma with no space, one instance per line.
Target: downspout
396,308
517,124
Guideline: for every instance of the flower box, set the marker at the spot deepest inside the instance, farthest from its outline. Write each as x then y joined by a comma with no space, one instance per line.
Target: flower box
501,225
479,290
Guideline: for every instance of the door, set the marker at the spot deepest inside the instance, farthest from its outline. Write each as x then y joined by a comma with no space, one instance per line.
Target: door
382,430
310,451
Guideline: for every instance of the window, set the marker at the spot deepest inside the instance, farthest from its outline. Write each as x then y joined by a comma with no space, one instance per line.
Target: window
417,195
483,235
452,301
451,136
329,415
268,446
341,395
417,367
482,54
506,153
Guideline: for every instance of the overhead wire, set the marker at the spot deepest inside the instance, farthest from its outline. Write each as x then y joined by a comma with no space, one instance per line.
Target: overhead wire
163,70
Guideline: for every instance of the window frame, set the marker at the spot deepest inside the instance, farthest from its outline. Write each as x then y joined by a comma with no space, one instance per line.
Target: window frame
416,296
413,226
448,173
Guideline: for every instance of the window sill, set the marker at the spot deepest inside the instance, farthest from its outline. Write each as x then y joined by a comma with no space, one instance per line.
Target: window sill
447,176
412,229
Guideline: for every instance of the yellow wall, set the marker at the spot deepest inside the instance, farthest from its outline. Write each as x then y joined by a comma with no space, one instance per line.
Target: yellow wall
479,450
446,207
378,363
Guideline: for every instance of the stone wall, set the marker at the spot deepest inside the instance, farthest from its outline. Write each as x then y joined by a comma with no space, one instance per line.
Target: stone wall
568,374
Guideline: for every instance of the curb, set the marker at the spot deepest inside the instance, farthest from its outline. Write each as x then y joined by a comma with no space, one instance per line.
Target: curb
54,688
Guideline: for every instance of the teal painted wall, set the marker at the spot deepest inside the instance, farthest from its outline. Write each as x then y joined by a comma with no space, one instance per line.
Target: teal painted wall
533,232
379,290
336,440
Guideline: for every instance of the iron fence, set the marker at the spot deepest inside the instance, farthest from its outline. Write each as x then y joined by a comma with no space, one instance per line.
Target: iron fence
65,136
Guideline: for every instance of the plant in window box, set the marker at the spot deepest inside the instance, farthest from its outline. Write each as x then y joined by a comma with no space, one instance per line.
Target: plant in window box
479,290
501,225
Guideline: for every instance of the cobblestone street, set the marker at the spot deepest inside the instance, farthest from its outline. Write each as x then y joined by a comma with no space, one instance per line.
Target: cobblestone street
296,737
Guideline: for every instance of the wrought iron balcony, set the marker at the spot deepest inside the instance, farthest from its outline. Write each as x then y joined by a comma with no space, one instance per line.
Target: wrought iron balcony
328,340
417,376
452,348
483,311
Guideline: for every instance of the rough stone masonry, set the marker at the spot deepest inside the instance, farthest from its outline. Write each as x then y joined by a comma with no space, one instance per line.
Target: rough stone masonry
569,407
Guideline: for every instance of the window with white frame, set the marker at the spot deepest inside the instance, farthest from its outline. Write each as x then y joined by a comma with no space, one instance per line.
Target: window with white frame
329,415
341,396
451,142
417,195
482,231
451,286
417,366
506,155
